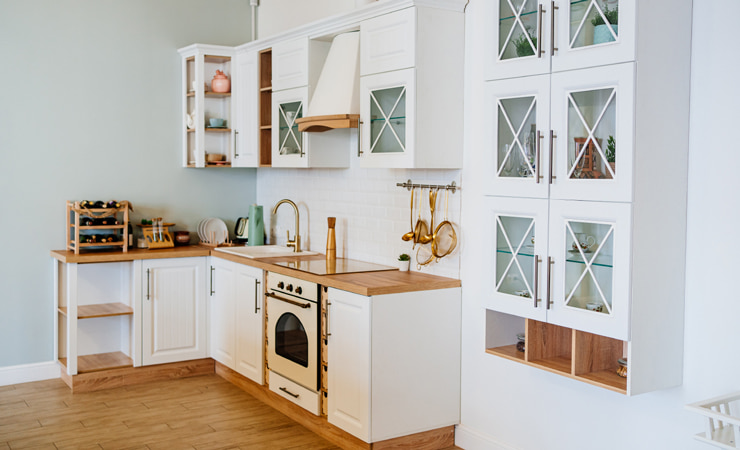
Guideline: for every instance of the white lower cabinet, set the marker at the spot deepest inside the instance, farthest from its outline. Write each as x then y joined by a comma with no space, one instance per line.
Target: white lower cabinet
173,309
393,362
236,318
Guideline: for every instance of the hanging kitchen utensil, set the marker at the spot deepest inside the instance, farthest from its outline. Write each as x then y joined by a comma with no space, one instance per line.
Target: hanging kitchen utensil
420,229
424,256
410,235
445,237
427,238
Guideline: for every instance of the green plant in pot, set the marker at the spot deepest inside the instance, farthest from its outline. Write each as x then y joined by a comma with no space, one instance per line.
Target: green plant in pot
611,152
404,261
601,29
522,45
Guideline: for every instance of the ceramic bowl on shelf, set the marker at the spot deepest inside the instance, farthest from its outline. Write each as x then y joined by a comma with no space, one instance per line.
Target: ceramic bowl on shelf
215,157
216,123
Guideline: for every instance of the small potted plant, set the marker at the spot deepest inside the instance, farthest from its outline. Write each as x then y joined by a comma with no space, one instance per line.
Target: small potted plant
601,29
611,152
522,45
404,261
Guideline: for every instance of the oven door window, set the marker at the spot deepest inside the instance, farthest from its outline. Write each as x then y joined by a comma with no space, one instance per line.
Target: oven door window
291,341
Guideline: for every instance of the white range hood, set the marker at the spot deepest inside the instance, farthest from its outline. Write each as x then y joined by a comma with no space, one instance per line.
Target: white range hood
336,99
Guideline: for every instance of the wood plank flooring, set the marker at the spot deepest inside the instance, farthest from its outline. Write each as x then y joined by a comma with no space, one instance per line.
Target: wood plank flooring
204,412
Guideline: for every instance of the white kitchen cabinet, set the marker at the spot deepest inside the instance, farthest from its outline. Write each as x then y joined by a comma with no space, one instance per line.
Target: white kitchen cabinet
173,297
536,37
246,125
237,318
403,54
565,136
297,63
200,104
387,357
97,317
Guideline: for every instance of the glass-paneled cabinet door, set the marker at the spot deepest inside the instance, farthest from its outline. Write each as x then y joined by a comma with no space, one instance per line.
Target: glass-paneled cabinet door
589,247
516,45
387,111
518,228
289,146
591,33
517,120
592,111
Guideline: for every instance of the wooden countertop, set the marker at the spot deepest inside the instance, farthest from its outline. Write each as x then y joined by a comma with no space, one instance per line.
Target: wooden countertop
363,283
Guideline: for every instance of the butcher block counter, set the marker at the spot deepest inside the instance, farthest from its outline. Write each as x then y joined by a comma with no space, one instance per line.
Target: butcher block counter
363,283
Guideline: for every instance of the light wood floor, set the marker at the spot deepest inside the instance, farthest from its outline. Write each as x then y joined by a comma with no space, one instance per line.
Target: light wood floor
205,412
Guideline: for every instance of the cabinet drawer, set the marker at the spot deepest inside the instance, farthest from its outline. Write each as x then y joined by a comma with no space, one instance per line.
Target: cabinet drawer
388,42
305,398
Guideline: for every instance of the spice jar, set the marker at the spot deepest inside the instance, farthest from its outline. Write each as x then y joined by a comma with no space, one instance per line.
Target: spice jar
622,367
520,342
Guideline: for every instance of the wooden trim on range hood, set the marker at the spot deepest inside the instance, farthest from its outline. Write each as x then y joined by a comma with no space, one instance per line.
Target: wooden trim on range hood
330,122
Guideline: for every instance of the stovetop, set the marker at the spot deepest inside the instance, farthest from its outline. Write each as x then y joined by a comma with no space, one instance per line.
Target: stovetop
332,267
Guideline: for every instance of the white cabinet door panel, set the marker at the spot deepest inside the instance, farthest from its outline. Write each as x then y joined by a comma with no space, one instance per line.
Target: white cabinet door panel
388,42
250,329
222,320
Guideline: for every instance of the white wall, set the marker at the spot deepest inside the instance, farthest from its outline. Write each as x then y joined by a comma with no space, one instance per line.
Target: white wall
276,16
90,109
509,405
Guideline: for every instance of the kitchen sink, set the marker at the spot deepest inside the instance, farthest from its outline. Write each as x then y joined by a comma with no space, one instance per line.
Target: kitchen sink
264,251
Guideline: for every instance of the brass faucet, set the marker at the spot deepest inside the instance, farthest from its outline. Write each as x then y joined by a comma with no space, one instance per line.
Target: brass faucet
296,243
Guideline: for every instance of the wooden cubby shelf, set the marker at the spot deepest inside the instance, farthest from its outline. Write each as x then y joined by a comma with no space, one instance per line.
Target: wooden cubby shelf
100,310
100,361
582,356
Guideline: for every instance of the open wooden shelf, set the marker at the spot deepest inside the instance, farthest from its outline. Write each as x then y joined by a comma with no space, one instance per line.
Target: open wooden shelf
100,361
217,130
99,227
508,352
100,310
265,108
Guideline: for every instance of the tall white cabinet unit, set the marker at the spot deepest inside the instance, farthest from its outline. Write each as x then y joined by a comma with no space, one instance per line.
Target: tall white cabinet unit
246,123
411,85
393,362
237,317
173,309
586,159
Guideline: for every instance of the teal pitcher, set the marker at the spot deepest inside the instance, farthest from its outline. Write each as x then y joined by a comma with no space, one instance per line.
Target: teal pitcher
256,226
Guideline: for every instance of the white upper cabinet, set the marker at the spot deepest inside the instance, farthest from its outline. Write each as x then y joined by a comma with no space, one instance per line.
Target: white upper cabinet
297,63
246,125
388,42
531,37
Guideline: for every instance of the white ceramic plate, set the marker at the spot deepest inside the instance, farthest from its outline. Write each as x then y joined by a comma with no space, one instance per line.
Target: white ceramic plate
216,228
201,228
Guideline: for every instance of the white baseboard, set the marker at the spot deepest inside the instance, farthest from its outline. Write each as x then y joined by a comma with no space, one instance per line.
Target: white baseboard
469,439
29,372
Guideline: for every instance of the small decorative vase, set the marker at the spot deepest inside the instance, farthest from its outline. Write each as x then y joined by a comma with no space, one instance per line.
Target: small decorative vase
220,83
403,266
602,33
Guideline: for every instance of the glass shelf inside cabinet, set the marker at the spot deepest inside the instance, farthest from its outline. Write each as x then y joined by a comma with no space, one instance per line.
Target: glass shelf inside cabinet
517,29
291,140
515,260
588,274
388,120
593,22
592,148
517,134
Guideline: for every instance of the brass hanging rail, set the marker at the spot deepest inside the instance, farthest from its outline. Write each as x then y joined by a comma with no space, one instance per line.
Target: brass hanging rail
409,185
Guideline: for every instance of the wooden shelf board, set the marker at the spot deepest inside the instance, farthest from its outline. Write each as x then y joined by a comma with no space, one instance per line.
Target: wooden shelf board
607,379
508,352
218,130
101,244
190,94
218,165
266,127
103,310
217,94
266,89
557,364
216,58
102,227
101,361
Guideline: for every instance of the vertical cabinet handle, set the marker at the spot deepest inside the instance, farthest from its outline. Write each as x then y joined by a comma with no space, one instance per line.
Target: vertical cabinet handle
537,261
256,293
147,284
548,300
540,11
359,140
212,291
538,149
236,147
553,48
328,304
553,136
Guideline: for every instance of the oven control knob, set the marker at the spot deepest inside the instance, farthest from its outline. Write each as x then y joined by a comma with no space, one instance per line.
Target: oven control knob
290,288
280,285
298,290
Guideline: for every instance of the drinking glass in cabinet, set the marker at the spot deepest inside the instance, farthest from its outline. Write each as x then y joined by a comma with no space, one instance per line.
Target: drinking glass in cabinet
291,140
591,130
593,22
388,120
515,258
588,269
517,130
518,29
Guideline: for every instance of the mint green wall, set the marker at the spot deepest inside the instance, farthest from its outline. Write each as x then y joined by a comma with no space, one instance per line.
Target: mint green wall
90,109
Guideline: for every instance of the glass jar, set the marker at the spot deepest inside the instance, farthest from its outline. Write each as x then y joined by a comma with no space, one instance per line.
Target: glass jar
622,367
520,342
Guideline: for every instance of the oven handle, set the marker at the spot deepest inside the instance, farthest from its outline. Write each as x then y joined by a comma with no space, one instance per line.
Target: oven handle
287,300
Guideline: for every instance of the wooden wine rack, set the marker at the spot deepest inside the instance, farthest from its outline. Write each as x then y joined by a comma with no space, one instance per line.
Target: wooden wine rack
75,212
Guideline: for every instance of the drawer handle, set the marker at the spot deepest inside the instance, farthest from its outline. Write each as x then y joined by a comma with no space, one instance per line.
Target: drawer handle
289,393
